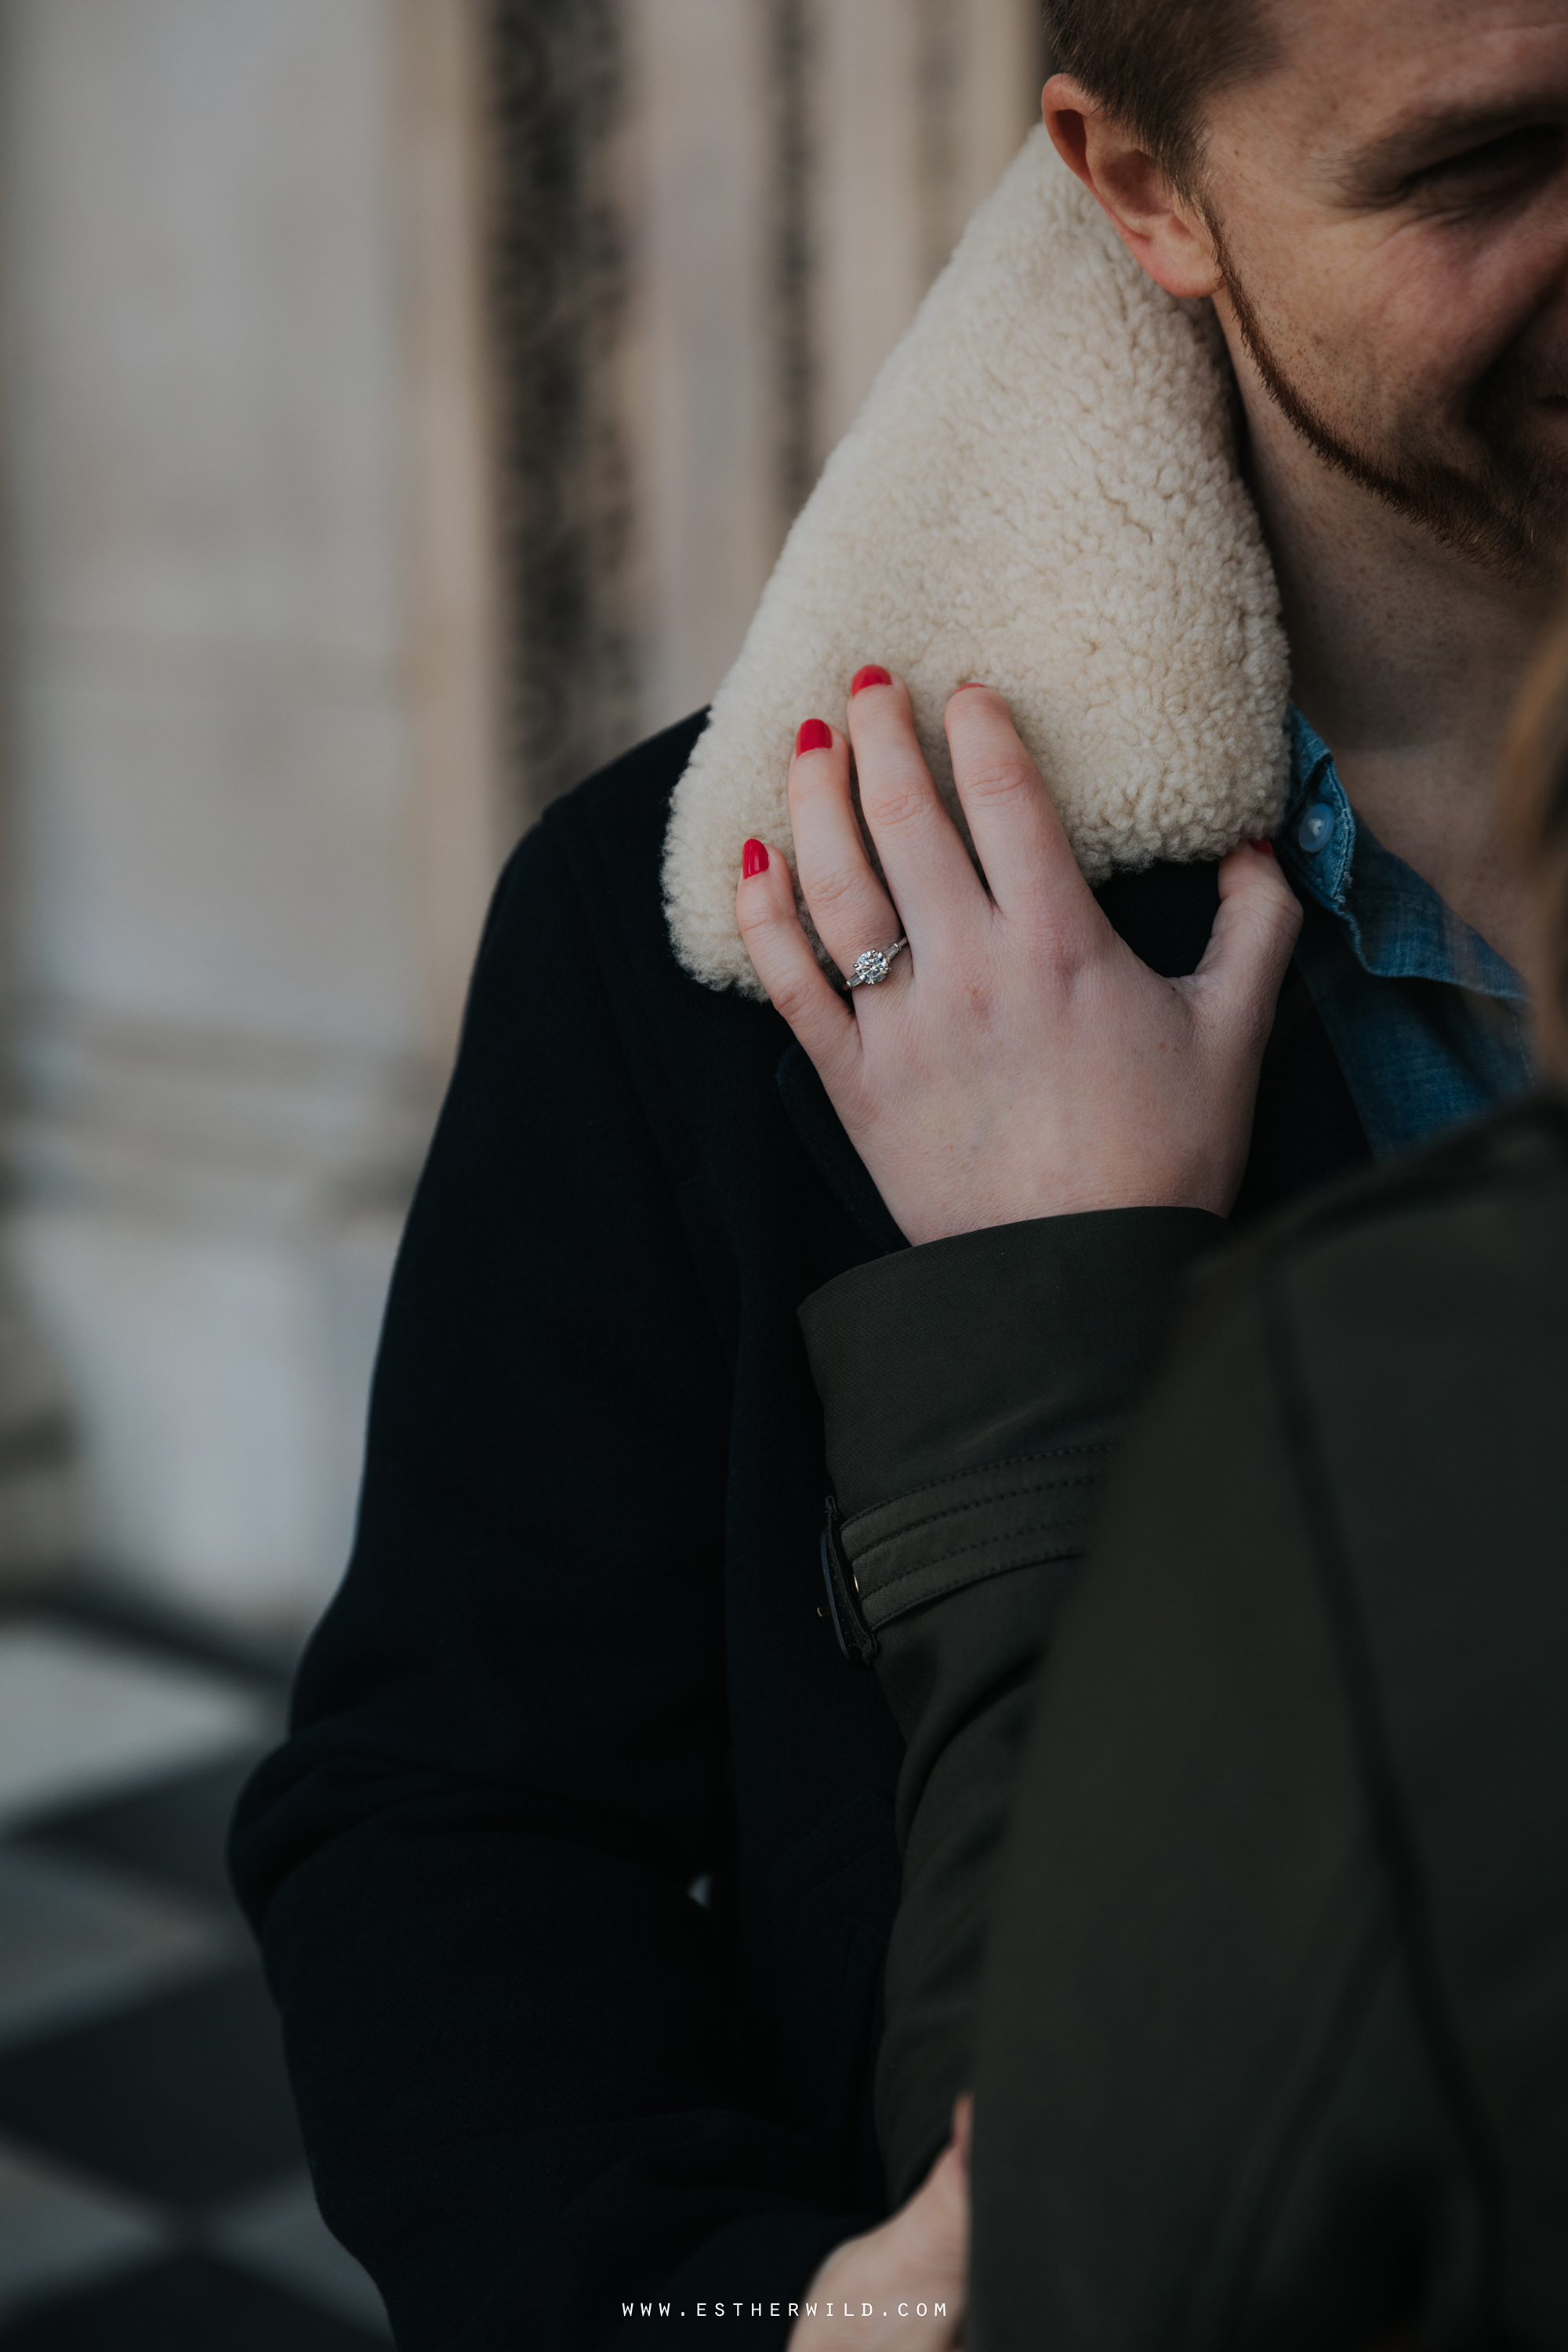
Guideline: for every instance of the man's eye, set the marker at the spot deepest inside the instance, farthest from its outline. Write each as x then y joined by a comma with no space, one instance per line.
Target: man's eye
1518,156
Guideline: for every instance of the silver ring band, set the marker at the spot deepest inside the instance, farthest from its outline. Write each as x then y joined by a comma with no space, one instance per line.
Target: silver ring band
873,965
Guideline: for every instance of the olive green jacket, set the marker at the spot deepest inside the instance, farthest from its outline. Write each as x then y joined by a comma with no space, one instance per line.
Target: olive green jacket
973,1391
1273,2040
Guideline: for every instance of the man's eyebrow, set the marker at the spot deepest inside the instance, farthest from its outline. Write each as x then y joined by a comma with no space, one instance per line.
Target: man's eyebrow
1379,169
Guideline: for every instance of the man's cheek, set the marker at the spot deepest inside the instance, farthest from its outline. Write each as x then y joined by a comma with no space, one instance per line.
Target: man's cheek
1466,303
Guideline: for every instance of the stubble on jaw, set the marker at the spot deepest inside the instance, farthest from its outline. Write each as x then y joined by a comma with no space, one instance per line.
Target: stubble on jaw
1507,514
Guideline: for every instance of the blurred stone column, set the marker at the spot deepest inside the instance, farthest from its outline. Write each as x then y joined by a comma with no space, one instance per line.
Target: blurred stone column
712,219
248,650
257,259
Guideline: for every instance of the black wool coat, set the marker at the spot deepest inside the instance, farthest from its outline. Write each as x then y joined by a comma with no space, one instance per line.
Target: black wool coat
575,1875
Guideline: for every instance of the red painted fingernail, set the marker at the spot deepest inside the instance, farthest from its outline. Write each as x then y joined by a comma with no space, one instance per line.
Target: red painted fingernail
753,860
872,674
1265,848
815,735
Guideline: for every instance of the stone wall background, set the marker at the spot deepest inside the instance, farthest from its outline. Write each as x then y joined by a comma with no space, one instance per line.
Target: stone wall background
713,219
402,402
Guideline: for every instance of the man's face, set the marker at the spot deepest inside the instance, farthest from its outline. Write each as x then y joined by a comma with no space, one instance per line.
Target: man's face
1391,203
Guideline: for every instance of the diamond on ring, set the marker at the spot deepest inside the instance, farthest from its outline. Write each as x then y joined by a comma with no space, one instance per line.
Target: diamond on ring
873,964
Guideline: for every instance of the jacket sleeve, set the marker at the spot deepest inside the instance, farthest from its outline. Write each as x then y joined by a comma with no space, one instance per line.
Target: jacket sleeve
973,1391
509,2023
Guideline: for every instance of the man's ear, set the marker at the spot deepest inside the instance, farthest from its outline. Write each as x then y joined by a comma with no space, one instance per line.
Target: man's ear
1167,237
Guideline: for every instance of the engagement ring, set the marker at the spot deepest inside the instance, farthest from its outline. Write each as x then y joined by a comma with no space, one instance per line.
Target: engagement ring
872,966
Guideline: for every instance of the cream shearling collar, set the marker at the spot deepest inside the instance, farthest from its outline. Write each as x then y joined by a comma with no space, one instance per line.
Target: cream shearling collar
1040,491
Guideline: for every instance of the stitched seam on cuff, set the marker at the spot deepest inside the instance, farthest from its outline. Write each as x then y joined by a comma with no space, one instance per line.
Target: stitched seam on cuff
960,1511
978,1573
1041,1528
1008,1461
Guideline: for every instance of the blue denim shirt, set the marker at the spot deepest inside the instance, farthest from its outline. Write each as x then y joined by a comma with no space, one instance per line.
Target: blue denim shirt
1428,1022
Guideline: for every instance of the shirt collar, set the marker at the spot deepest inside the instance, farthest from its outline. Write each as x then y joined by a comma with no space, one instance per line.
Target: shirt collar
1396,924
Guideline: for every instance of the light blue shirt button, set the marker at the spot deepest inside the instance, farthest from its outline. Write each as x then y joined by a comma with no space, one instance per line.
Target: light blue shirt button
1317,828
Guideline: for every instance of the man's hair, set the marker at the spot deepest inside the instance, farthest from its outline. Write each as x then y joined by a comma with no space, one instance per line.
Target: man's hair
1153,64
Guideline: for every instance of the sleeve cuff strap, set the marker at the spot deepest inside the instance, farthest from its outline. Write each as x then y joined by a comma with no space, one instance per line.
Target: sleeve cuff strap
971,1525
989,1370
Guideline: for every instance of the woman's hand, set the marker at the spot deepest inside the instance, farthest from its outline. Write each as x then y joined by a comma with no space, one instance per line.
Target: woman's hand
900,2288
1018,1061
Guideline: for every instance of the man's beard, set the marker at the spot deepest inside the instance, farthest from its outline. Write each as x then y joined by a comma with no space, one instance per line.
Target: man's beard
1508,512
